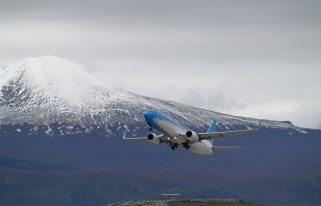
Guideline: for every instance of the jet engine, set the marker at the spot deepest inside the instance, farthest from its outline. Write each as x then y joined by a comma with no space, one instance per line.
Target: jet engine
153,138
192,136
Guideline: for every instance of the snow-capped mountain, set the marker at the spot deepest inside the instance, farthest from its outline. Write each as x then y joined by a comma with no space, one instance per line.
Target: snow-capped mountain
48,90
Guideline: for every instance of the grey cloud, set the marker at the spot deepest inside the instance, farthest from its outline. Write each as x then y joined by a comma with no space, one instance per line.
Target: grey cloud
208,31
188,12
215,101
219,102
230,56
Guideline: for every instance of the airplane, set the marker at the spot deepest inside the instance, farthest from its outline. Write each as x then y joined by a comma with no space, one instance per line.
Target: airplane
175,135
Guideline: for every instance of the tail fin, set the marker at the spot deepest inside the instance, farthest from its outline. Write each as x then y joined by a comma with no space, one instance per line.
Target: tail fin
212,129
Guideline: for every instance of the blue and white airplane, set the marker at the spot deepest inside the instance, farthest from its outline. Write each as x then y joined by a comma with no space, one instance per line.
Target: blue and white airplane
175,134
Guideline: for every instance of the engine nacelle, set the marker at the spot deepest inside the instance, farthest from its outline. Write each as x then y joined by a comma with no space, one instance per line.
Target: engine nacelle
153,138
192,136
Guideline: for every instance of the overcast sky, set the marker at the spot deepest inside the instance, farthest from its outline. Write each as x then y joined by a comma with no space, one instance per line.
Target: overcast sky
245,57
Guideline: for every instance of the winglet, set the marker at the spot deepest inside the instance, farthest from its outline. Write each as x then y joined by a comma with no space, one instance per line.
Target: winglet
125,135
258,127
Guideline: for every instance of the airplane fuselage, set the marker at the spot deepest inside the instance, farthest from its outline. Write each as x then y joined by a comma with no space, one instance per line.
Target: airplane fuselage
175,133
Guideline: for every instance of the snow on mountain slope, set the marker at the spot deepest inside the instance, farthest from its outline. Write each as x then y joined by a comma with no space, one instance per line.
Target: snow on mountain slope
51,77
49,89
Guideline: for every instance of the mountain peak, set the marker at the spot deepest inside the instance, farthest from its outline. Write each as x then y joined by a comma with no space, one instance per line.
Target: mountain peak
57,71
49,89
52,76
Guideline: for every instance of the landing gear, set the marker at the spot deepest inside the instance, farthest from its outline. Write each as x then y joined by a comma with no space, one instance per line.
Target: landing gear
186,145
173,146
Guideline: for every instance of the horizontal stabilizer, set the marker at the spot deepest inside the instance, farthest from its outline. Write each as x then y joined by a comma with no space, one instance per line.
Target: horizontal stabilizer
222,148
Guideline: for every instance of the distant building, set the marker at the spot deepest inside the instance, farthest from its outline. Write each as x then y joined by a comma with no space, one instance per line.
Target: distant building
170,196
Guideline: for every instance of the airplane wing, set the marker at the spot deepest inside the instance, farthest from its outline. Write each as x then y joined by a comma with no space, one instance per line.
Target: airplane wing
161,137
134,138
219,135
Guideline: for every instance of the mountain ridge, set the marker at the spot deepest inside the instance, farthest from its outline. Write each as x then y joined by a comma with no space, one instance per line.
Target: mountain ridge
48,90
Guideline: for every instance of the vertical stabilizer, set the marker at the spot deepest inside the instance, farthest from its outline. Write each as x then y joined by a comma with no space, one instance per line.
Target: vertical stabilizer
212,129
